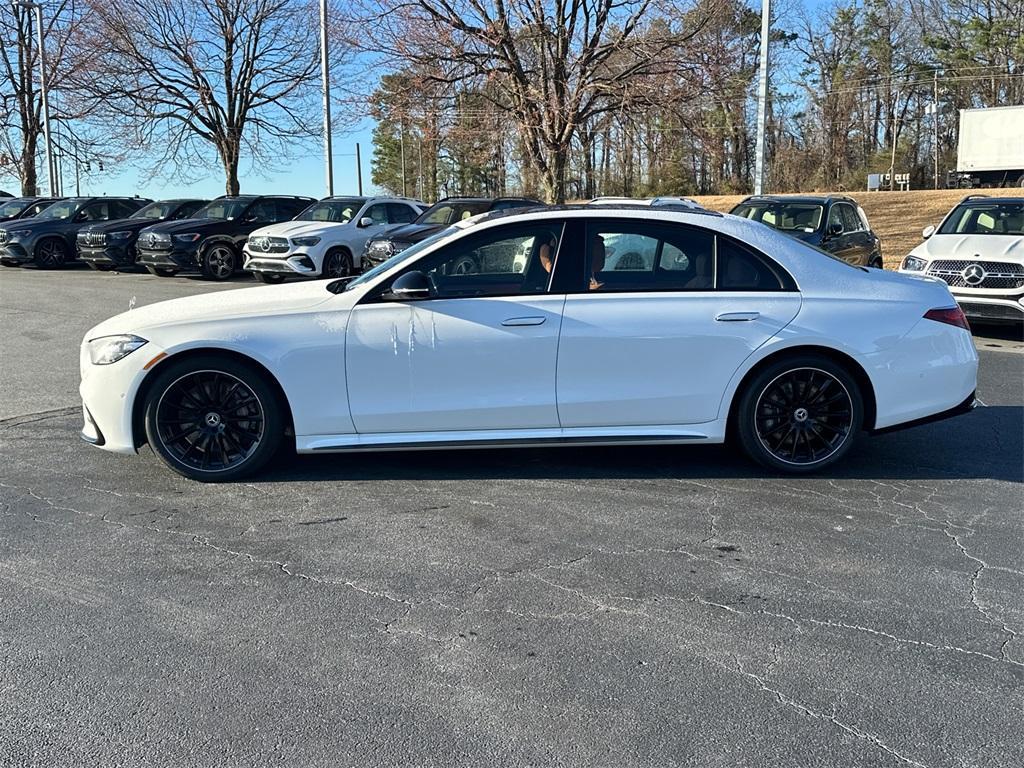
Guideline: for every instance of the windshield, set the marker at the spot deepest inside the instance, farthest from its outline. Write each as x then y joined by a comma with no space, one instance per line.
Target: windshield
449,212
981,218
336,211
62,209
155,211
222,209
411,252
13,207
788,217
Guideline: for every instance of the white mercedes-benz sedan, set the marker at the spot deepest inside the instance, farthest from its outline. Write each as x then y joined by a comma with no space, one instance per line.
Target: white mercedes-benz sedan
712,328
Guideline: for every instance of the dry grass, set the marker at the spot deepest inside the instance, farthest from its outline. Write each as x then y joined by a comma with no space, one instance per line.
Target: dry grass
896,217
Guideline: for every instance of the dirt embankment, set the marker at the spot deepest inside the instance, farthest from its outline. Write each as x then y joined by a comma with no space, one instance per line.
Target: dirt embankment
896,217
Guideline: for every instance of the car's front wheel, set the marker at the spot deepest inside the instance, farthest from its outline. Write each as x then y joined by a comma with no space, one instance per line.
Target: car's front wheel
799,414
51,253
219,261
337,263
213,419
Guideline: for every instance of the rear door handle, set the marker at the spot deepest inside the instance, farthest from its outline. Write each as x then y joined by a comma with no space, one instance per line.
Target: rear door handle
736,317
523,321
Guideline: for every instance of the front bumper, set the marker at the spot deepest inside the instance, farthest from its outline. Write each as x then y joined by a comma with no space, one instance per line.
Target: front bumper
16,252
108,395
171,258
113,254
992,309
298,264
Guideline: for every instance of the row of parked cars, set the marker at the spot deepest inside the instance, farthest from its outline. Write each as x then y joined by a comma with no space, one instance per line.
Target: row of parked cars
978,248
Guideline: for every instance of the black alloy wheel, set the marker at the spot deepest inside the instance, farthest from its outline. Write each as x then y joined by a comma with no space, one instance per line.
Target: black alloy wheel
800,415
337,263
51,253
219,262
213,420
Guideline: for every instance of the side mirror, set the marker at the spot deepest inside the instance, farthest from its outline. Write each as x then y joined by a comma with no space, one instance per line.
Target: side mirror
835,228
365,222
411,286
81,216
928,231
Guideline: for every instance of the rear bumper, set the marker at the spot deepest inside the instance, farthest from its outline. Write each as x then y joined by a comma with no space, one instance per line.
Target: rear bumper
968,405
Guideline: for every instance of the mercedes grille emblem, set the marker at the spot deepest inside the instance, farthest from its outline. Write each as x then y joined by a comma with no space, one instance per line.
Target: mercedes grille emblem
974,274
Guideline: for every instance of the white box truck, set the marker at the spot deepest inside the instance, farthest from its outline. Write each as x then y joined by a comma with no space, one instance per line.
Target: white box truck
991,148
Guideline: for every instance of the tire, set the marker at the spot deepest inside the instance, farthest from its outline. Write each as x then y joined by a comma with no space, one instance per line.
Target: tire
50,253
213,419
876,262
10,263
337,263
161,271
219,262
271,278
807,396
1020,181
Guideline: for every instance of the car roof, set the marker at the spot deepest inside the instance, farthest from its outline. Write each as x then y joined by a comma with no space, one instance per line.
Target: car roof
1002,199
598,211
256,197
821,199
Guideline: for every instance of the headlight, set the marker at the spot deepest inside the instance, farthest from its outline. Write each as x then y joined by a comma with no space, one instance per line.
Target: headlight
119,235
19,233
109,349
190,237
914,264
305,241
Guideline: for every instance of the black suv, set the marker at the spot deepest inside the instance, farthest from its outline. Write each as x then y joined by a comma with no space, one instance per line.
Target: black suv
441,214
211,242
834,223
112,244
48,238
24,207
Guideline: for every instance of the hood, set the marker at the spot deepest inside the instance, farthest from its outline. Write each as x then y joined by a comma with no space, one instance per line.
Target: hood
181,226
410,233
41,225
260,302
297,228
119,225
973,247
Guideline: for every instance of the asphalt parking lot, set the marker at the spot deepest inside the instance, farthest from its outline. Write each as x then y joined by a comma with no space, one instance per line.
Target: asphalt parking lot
602,607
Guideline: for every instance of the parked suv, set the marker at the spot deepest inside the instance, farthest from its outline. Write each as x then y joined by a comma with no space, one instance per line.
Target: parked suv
24,207
978,251
48,238
112,244
326,239
440,215
211,242
834,223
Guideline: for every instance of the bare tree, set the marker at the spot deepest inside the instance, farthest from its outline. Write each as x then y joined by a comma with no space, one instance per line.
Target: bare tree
552,66
184,77
19,92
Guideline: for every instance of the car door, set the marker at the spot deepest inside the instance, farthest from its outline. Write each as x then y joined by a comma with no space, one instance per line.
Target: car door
836,240
860,246
479,354
379,221
656,342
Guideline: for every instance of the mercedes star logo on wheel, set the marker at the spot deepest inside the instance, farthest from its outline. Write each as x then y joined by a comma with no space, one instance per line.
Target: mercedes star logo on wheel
974,274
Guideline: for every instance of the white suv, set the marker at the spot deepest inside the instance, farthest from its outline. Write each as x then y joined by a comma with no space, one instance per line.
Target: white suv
978,250
326,239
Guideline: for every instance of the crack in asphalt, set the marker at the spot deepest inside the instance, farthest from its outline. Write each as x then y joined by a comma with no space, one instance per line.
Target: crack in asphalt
852,730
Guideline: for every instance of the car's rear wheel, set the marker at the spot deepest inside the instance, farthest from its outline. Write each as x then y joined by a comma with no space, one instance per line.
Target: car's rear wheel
799,414
271,278
219,261
161,271
337,263
51,253
213,419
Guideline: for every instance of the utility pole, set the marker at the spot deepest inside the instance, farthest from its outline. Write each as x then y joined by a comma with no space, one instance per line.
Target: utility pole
762,98
50,162
935,124
325,75
359,170
405,191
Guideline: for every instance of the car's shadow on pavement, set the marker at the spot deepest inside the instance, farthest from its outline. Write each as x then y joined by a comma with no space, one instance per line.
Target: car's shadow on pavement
986,444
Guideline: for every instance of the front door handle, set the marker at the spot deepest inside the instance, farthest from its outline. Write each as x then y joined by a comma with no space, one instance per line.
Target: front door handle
737,317
523,321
